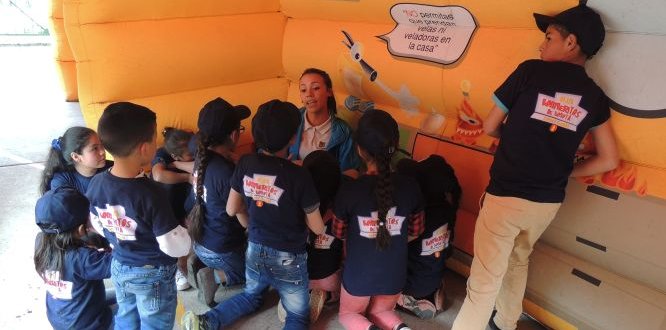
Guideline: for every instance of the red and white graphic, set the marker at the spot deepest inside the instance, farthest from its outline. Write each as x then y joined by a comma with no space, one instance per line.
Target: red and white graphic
114,219
437,242
368,225
262,188
323,241
58,288
562,110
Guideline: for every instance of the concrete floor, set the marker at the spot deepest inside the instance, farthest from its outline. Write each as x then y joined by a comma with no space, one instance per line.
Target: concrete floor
33,112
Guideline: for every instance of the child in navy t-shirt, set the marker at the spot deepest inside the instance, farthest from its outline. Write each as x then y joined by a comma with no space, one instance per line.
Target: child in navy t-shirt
376,215
324,250
73,273
423,293
219,239
129,208
172,168
73,159
282,204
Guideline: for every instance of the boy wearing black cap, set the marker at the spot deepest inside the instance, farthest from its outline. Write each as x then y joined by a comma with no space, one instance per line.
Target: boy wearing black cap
542,112
282,203
133,212
219,239
73,273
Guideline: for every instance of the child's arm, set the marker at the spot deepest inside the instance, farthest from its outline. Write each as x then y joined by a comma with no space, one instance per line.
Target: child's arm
492,125
314,222
96,265
162,174
236,206
184,166
416,226
235,203
606,158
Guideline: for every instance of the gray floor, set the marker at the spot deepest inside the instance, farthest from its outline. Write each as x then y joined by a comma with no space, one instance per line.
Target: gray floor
33,112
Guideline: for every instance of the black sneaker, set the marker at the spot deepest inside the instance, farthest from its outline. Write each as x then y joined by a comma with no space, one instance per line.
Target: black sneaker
402,326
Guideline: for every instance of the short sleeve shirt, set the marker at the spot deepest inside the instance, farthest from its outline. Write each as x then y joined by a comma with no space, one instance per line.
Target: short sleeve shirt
133,213
367,270
221,233
550,107
74,179
75,298
278,194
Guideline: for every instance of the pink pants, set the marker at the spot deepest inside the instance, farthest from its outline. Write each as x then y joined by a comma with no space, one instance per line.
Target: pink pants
330,283
379,309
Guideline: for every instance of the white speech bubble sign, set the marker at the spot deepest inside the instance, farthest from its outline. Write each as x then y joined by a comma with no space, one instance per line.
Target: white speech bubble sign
437,34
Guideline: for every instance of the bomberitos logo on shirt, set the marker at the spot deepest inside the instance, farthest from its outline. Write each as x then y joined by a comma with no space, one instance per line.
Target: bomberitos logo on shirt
114,219
58,288
562,110
437,242
368,225
262,188
323,241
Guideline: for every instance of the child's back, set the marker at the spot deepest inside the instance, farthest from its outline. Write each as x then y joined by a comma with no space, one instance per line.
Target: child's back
73,273
133,213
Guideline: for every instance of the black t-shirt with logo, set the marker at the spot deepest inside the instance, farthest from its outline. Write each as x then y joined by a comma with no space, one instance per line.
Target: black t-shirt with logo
368,271
324,251
221,233
550,107
278,194
133,213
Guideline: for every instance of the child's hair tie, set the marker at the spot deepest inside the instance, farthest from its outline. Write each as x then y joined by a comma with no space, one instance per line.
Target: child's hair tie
55,144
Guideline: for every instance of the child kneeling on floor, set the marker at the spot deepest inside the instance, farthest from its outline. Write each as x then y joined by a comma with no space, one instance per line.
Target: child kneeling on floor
282,204
423,293
377,215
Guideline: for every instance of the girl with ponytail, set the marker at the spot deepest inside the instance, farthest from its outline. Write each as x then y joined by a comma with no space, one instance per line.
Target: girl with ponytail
376,215
73,159
219,239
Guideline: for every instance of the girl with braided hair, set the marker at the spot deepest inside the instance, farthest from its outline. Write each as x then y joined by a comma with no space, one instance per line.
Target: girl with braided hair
219,239
376,230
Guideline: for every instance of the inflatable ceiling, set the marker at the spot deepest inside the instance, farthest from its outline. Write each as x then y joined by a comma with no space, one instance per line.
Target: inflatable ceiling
434,66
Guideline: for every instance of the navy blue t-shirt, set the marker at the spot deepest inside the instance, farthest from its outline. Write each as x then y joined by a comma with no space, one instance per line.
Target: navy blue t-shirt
367,271
278,194
177,192
532,161
133,212
75,299
324,251
221,233
74,179
426,261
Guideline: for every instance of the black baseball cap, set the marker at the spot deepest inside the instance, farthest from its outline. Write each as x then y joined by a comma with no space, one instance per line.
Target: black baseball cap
583,22
377,133
274,124
61,210
218,118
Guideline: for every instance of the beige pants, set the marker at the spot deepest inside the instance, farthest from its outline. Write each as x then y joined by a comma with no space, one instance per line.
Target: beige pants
505,232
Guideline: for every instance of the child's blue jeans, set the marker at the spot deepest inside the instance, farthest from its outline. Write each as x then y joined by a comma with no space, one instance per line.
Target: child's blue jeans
146,296
264,266
232,263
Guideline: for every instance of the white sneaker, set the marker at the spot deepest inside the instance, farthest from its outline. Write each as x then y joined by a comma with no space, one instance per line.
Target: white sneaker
181,281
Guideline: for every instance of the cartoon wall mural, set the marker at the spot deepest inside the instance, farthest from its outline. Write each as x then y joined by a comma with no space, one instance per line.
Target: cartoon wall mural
434,68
